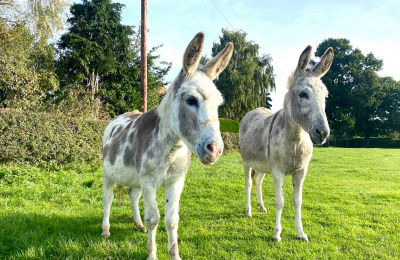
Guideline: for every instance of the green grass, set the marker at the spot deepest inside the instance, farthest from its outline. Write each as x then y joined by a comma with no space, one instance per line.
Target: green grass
351,210
229,126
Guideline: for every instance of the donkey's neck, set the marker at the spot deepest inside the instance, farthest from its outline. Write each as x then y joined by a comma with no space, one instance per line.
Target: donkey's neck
293,132
166,134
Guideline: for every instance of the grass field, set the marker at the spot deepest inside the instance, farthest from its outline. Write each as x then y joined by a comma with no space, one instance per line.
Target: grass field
351,210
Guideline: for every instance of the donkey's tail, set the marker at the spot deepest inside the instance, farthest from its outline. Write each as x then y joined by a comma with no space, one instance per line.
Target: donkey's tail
120,197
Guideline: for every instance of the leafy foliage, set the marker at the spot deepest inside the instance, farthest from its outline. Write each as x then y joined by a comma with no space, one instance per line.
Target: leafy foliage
246,81
26,60
227,125
99,59
44,138
356,101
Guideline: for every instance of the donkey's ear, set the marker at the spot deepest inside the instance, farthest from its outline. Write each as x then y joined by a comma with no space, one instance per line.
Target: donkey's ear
303,62
215,66
192,55
324,64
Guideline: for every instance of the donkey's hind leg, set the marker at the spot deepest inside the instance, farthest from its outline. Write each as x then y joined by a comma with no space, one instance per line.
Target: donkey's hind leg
259,177
108,197
134,195
248,183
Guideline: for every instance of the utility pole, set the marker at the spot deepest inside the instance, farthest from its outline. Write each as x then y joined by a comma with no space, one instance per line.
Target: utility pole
143,51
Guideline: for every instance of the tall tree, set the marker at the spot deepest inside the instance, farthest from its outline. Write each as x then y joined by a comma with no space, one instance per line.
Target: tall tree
99,58
26,59
389,110
95,44
354,90
42,17
246,81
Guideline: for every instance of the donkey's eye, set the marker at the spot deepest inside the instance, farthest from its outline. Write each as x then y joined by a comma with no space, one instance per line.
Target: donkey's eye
303,94
192,101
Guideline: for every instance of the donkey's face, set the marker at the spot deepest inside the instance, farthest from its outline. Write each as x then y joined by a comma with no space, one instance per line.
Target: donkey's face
305,100
194,115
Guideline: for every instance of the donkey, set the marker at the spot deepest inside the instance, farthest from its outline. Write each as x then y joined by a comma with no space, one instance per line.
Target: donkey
282,143
152,150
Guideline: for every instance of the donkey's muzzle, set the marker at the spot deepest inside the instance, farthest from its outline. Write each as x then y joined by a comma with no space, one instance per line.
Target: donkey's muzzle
319,135
211,152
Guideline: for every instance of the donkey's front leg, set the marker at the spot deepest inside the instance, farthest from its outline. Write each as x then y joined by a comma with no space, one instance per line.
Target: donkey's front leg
172,195
279,179
151,217
297,181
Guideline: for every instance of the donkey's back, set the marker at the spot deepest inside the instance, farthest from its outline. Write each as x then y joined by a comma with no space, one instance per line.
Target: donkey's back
116,125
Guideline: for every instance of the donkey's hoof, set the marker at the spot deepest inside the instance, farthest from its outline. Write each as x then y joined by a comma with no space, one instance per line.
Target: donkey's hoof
151,257
105,234
262,208
276,238
248,213
303,237
142,228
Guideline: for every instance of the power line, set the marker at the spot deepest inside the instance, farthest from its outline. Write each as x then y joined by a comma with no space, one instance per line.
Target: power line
222,14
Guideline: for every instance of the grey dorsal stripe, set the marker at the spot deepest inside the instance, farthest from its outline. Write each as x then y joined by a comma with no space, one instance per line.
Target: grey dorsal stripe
270,131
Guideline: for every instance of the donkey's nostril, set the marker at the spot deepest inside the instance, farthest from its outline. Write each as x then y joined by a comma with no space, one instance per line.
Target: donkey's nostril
318,132
210,148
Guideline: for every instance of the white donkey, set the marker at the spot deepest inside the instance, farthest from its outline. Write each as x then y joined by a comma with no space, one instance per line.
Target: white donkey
153,150
282,143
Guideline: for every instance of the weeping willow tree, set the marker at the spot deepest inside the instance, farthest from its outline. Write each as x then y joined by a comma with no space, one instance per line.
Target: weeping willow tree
26,58
248,79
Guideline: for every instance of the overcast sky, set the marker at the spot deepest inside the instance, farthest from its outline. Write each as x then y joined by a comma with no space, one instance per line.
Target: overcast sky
282,29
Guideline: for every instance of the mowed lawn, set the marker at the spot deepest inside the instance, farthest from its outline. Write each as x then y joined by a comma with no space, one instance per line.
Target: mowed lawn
351,210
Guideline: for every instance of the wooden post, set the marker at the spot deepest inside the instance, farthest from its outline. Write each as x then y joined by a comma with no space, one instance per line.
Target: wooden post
143,51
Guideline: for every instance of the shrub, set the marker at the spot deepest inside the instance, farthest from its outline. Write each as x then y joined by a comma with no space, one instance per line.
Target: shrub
229,126
43,138
231,142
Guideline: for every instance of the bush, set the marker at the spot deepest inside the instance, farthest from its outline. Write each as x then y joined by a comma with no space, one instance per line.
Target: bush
231,142
43,138
229,126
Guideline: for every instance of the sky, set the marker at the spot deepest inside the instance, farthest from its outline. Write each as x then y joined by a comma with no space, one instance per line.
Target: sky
282,29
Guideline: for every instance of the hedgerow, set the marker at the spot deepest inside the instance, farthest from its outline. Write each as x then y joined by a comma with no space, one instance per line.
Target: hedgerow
43,138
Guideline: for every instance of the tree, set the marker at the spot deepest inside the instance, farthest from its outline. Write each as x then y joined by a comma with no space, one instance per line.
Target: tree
354,90
99,59
389,110
41,17
246,81
26,59
95,44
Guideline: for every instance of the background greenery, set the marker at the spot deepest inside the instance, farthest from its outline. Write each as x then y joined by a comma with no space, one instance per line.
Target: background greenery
351,210
47,138
227,125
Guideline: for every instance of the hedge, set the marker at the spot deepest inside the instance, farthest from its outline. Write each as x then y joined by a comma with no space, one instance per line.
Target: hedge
374,142
45,138
229,126
42,138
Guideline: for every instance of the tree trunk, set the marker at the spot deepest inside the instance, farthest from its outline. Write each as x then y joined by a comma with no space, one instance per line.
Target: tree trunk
93,87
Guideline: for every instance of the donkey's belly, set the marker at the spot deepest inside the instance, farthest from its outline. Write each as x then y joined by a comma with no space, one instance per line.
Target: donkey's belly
121,174
260,166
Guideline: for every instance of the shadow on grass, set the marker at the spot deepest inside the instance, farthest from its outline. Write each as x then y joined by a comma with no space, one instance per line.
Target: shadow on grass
33,235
